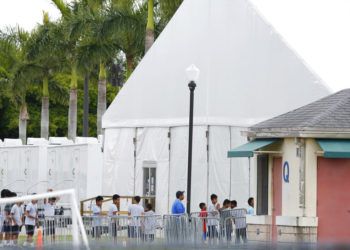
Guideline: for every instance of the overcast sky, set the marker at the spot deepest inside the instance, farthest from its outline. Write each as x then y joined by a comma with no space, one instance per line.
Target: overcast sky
318,30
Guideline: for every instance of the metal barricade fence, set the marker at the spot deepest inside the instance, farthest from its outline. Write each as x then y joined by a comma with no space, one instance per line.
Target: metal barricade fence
96,227
124,229
229,228
176,229
56,229
202,232
233,226
195,214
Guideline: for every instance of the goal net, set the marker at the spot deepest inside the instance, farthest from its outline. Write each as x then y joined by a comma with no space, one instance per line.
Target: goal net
41,220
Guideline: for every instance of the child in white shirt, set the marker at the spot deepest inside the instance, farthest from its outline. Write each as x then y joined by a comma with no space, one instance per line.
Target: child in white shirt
113,211
16,218
30,222
49,213
96,221
113,208
149,223
135,211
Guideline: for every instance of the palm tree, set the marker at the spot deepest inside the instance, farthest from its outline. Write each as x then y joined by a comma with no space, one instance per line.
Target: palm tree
41,49
93,49
101,50
167,9
98,46
125,23
17,72
68,45
149,40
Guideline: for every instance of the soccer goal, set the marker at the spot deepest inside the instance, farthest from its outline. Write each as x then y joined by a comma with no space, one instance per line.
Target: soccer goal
42,220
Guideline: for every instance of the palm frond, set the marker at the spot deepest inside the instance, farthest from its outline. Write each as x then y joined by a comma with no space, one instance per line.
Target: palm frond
62,7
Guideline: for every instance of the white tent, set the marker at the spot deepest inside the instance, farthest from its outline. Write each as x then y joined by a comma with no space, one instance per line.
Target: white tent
248,74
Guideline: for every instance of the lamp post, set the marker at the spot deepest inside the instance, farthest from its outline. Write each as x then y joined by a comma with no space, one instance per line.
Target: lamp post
192,75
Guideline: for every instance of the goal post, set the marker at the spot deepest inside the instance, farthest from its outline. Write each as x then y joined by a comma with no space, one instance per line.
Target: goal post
76,220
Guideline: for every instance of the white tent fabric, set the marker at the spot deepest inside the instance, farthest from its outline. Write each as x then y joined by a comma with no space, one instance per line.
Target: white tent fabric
118,174
240,176
152,146
178,164
239,55
219,170
248,74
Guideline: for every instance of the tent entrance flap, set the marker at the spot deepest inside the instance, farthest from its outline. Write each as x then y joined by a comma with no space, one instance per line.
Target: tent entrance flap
335,148
247,150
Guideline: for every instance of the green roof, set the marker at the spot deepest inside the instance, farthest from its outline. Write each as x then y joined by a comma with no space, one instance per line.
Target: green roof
335,148
247,150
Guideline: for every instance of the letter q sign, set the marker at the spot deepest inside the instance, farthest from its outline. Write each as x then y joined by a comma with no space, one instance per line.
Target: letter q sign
286,172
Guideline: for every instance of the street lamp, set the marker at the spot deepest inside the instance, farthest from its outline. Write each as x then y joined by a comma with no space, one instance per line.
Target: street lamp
192,74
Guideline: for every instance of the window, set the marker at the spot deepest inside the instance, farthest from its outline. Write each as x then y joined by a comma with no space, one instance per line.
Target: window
262,198
149,181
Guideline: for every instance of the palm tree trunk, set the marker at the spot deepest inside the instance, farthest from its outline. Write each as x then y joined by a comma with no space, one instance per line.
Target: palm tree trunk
86,106
22,122
45,102
150,26
101,102
73,103
129,65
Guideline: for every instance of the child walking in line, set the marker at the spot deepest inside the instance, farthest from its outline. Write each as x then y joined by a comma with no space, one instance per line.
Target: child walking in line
135,210
226,222
49,213
16,218
250,209
96,220
240,225
8,221
30,221
203,214
4,194
112,212
150,223
213,212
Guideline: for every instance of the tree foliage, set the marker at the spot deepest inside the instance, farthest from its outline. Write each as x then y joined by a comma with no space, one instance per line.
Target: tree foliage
90,33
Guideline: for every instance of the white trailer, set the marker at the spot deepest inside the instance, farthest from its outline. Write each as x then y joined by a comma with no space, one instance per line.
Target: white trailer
77,166
22,168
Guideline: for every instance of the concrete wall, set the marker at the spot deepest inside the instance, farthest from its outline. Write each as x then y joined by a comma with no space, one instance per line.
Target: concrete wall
291,205
290,190
311,177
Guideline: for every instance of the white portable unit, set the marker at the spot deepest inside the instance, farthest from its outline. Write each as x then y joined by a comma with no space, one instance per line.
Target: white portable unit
37,141
22,169
89,140
12,142
77,166
60,141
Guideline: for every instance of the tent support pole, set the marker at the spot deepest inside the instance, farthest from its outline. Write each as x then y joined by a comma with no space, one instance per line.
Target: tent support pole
135,151
169,136
249,176
208,165
230,191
